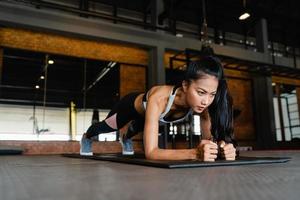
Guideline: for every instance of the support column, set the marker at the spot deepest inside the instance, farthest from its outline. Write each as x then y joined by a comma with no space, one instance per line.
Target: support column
159,8
298,99
277,89
261,31
264,112
1,69
156,70
1,64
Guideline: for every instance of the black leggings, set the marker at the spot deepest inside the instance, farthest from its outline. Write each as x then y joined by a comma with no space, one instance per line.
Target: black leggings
125,113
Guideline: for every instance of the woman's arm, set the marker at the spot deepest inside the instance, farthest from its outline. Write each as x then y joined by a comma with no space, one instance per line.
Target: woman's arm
205,125
228,151
206,151
155,107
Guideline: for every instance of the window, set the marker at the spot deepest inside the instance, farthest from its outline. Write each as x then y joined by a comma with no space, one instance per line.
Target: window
38,89
286,112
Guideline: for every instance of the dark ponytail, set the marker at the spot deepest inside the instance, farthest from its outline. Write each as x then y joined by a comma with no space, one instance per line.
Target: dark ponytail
221,114
220,111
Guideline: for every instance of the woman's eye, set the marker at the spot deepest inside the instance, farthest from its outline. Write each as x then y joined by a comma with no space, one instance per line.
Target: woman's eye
201,93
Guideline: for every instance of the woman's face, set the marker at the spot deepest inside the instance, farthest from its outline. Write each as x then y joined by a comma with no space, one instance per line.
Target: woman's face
201,93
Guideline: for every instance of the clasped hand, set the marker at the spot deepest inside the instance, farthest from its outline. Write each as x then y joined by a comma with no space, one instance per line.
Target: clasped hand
208,150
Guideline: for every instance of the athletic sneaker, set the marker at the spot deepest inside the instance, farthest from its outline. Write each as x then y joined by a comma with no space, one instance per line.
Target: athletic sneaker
85,146
127,146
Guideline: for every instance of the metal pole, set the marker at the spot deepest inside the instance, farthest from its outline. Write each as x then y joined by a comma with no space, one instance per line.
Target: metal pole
204,25
280,111
84,92
45,88
84,85
73,121
289,115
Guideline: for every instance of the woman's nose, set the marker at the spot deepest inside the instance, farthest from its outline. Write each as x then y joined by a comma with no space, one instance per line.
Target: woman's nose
205,100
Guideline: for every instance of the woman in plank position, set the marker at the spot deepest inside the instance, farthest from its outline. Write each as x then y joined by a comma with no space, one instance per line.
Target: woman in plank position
203,91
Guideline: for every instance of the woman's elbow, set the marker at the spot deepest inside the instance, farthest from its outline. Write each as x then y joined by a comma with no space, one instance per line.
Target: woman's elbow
151,154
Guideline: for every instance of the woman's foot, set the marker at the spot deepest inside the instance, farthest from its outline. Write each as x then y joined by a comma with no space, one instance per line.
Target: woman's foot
86,146
127,146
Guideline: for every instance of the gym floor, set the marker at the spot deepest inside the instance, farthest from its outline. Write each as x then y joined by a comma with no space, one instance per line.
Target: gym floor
57,177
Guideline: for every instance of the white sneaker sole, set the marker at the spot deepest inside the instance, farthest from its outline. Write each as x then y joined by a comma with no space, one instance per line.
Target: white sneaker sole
86,153
126,153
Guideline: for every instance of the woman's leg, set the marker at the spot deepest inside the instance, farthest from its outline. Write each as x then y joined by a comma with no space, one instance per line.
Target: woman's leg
102,127
122,113
134,128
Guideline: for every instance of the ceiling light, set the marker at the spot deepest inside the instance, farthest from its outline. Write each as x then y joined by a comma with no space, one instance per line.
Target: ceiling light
245,14
37,87
50,62
42,77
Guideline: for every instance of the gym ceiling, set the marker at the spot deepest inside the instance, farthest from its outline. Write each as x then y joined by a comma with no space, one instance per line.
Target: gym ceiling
283,19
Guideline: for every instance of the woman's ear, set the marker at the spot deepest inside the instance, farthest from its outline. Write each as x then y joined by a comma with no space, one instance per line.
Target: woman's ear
185,85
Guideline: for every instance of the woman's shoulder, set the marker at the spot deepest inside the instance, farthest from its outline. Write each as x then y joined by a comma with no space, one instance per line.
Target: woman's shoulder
160,93
160,90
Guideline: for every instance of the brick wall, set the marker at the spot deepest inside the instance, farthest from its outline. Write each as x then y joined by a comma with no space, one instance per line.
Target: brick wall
132,79
72,46
59,147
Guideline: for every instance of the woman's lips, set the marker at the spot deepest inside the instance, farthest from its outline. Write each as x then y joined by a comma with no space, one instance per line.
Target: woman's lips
200,108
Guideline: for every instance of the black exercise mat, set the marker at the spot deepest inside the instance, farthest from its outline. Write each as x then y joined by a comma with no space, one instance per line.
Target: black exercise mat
9,150
139,159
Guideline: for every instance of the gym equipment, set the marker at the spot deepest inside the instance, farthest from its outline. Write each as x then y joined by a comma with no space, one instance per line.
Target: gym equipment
139,159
